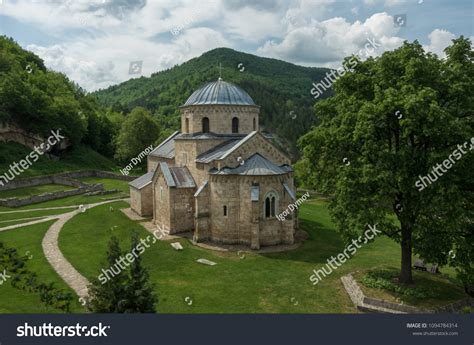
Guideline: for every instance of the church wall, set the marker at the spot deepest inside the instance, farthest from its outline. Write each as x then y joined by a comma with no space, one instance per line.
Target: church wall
141,200
182,206
255,144
190,149
202,213
153,161
245,217
162,212
220,118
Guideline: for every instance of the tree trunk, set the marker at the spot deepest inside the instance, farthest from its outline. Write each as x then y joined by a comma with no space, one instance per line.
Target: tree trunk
405,272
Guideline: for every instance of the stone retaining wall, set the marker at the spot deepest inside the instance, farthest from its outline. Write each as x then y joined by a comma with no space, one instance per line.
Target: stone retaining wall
15,202
66,179
368,304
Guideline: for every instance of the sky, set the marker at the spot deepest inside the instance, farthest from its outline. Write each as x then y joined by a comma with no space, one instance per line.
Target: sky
95,42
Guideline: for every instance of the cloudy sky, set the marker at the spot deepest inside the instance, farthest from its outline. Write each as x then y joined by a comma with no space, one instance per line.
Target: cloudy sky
95,41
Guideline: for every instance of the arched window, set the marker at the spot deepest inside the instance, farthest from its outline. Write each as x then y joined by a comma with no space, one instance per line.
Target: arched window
254,124
235,125
205,125
270,205
186,125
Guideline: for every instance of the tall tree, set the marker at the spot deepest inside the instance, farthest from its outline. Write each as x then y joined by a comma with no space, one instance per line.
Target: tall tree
139,130
109,297
392,121
139,291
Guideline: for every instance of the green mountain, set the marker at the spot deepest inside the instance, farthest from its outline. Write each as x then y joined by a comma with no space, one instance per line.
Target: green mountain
281,89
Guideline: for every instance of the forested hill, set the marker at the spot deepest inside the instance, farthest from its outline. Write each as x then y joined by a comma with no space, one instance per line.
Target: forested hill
281,89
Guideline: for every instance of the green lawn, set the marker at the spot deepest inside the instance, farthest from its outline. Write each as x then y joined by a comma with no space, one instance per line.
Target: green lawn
30,214
28,239
36,190
108,183
79,199
272,283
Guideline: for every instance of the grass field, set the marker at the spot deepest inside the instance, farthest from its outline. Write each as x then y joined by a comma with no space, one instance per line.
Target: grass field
28,239
272,283
79,199
29,191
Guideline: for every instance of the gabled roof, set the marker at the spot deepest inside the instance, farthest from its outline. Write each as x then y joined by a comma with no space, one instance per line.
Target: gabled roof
182,177
200,189
289,191
255,165
142,181
166,148
178,177
217,152
240,143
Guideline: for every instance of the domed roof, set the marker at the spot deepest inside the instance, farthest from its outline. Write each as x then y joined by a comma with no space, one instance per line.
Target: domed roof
219,92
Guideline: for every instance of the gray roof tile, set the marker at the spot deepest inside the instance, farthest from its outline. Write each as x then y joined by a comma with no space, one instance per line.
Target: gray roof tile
166,148
142,181
219,92
254,166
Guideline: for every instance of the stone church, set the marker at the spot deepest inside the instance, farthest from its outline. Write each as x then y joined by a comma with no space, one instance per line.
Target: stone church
219,177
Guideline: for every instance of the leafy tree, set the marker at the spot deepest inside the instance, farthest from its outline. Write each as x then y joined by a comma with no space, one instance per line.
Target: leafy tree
139,291
389,123
139,130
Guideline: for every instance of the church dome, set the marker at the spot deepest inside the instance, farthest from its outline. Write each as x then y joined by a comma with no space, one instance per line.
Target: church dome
219,92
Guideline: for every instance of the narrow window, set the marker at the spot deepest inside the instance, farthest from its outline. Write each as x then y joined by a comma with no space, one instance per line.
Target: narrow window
225,211
235,125
185,158
205,125
254,124
270,205
267,207
161,193
187,125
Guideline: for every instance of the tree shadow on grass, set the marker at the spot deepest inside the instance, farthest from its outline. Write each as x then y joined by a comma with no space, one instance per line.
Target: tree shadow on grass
322,243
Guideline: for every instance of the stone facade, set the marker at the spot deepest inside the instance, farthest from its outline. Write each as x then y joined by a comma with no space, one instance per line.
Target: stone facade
142,200
220,118
231,195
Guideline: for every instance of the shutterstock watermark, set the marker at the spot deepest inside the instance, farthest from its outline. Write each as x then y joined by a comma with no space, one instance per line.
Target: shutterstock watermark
292,207
341,258
28,161
4,277
125,171
425,181
124,261
326,83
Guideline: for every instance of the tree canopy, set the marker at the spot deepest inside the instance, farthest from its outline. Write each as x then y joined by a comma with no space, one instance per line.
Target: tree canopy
393,119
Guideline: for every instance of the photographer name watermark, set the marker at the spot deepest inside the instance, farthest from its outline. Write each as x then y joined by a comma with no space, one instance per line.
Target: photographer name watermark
136,160
292,207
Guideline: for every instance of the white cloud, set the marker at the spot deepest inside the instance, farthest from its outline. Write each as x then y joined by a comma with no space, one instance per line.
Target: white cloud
328,42
439,40
95,40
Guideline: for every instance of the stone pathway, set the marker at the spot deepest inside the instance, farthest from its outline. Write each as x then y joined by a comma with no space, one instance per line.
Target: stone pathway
60,264
42,220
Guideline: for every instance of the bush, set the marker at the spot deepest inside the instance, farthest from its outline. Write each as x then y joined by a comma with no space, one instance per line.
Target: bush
385,280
